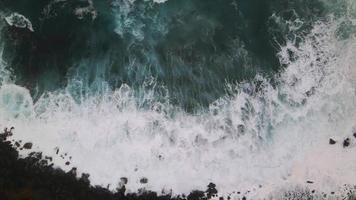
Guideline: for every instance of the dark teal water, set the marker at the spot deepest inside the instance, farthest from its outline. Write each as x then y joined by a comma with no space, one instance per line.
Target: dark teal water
191,47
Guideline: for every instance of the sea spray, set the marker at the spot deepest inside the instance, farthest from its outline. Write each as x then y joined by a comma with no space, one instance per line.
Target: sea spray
269,131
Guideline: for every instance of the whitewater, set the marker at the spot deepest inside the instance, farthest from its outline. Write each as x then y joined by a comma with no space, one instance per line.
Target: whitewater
265,135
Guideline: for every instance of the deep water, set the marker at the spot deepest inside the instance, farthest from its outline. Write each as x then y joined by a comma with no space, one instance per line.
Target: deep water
193,48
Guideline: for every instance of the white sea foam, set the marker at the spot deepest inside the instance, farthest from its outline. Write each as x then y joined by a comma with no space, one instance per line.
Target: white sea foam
264,134
19,21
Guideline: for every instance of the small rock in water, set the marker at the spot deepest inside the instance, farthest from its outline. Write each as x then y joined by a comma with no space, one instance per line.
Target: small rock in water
243,198
310,182
17,144
124,180
67,163
355,134
48,158
211,191
57,150
143,180
331,141
27,145
346,142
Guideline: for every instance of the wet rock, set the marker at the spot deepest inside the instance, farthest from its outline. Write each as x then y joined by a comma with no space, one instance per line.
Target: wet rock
211,191
124,180
67,163
48,158
85,178
310,182
346,142
27,145
57,150
331,141
143,180
73,171
354,135
196,195
17,144
37,155
243,198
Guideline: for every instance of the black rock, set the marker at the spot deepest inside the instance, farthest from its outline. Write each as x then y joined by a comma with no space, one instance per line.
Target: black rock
124,180
27,145
355,134
73,171
196,195
143,180
346,142
17,144
48,158
67,163
331,141
310,182
243,198
211,191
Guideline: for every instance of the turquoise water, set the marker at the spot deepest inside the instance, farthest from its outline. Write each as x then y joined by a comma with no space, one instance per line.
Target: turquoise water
192,48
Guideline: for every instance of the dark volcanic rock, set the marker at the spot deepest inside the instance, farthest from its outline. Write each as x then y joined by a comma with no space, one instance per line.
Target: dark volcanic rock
32,179
143,180
27,145
124,180
346,142
331,141
17,144
355,135
211,191
196,195
310,182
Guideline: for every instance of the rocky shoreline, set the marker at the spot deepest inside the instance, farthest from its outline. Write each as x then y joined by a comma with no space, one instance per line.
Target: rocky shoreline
35,178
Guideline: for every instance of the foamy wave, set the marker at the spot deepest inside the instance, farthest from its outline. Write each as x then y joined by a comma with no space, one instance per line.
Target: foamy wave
263,134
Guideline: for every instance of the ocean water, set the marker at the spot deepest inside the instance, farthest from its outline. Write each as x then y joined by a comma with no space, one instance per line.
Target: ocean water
235,92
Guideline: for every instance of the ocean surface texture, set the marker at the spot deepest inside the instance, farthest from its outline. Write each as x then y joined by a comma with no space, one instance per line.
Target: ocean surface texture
257,97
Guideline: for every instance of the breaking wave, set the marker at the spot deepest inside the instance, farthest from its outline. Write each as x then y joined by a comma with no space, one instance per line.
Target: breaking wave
268,131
